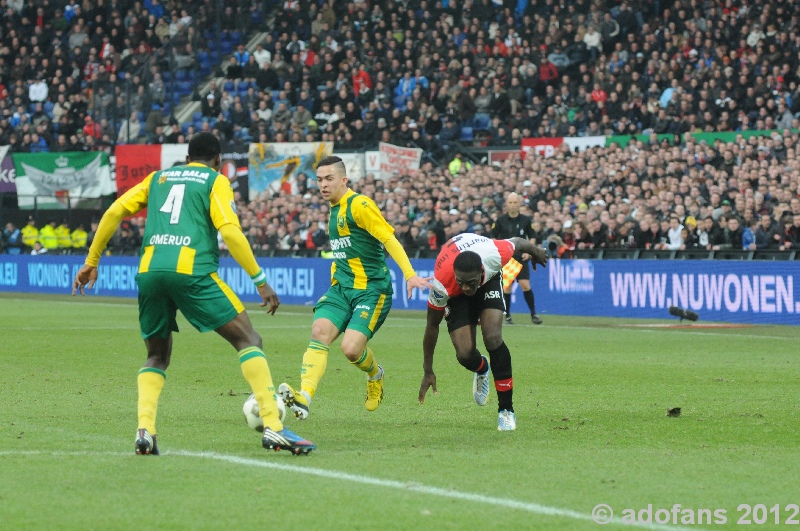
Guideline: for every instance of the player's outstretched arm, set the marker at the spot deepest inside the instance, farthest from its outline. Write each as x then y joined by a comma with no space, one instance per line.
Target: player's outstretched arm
240,250
538,256
368,216
428,347
128,204
396,251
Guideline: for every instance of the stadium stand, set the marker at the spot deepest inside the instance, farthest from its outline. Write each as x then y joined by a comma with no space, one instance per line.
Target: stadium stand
476,73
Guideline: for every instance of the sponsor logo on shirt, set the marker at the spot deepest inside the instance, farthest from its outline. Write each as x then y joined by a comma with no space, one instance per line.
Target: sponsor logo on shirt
340,243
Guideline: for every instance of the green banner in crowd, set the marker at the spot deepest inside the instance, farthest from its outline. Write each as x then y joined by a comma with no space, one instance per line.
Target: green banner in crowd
725,136
59,180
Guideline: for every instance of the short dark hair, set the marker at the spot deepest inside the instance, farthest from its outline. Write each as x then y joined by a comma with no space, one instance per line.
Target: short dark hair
333,160
204,146
468,262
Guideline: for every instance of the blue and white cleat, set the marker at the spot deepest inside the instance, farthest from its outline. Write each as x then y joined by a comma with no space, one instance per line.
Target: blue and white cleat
506,421
286,440
480,385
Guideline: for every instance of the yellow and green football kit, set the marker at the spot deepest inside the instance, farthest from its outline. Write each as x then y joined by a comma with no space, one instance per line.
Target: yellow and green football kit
360,295
187,206
180,253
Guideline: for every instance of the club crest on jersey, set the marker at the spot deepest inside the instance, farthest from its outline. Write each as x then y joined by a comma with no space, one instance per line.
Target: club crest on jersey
340,222
162,179
364,315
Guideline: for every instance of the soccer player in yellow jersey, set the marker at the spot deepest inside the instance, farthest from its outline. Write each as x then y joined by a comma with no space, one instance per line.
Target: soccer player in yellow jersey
178,271
360,295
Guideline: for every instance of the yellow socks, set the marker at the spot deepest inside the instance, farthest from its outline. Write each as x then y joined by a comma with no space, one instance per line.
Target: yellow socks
315,360
150,382
256,372
367,363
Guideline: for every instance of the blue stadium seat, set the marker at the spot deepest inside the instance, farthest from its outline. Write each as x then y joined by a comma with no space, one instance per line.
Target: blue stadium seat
166,76
181,75
482,122
197,116
226,48
184,87
229,86
467,133
235,37
202,56
48,108
140,116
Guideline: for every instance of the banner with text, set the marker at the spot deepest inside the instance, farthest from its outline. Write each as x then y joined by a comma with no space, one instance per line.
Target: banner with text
718,290
396,158
7,172
725,291
59,180
135,162
275,167
549,147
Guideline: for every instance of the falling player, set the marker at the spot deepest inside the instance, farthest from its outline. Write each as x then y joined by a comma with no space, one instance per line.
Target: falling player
466,289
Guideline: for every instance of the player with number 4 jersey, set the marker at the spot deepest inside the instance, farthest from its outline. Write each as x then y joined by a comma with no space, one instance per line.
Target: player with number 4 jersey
187,205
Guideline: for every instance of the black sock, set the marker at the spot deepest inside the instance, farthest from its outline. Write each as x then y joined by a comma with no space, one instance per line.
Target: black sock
507,297
529,299
503,379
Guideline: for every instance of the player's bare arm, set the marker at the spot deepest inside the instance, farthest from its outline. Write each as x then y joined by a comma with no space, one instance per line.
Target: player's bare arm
538,256
428,347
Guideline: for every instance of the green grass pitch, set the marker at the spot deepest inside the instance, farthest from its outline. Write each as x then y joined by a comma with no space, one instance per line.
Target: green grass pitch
591,397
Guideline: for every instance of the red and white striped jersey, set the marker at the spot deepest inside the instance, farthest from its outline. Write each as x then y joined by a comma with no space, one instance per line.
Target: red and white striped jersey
494,255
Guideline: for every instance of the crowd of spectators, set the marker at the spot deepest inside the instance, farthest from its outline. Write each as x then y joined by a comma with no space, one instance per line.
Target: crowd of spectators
743,195
72,72
429,74
432,74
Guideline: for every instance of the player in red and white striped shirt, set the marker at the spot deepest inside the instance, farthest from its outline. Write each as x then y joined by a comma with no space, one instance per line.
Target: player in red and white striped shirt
467,288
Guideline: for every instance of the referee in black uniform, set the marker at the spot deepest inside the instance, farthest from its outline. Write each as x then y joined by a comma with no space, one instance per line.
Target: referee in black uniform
509,225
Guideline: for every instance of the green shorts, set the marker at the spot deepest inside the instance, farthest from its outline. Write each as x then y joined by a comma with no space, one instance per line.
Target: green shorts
206,302
357,309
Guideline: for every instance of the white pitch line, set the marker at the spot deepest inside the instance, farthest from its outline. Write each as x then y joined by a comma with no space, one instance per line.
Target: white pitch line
419,488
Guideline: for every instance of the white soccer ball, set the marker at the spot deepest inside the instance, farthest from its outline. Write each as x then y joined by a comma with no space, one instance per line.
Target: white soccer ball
251,412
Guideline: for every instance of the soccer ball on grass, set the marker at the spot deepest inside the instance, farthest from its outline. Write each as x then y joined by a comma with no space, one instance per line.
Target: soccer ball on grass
251,412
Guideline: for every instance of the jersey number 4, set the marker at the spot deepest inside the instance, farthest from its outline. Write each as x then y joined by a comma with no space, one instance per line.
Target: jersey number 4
174,202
